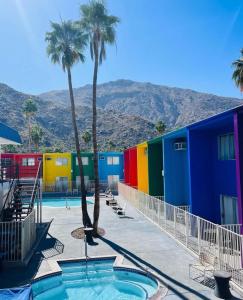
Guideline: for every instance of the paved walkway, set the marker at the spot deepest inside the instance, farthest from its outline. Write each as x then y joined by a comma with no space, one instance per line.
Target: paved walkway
136,238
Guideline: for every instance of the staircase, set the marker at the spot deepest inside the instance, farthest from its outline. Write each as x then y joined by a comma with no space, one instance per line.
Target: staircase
18,221
22,201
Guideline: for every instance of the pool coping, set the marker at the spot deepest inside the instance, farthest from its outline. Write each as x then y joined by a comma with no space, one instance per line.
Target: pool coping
55,269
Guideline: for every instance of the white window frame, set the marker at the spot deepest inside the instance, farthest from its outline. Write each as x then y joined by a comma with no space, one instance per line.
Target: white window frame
85,160
222,208
226,147
28,161
113,160
61,161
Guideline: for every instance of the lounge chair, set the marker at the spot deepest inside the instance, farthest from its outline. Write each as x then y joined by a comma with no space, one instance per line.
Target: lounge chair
121,211
111,202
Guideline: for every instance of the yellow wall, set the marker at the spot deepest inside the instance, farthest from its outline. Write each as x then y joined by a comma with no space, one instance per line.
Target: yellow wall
51,170
142,167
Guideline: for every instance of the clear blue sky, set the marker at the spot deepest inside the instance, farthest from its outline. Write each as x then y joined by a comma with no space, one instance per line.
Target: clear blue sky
189,44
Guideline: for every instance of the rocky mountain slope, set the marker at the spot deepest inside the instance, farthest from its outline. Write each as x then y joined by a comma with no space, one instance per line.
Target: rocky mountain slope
127,112
114,128
175,106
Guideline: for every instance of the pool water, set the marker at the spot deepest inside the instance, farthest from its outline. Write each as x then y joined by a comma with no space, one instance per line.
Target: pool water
64,202
99,281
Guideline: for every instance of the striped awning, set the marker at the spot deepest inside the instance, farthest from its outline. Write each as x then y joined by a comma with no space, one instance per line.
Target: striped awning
9,136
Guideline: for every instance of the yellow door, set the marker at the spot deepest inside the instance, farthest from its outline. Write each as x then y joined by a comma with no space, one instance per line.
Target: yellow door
142,167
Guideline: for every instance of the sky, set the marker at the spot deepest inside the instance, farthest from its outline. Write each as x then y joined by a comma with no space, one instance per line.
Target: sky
188,44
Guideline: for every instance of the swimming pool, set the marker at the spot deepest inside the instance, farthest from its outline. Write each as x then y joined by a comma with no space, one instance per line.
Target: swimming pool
99,281
64,202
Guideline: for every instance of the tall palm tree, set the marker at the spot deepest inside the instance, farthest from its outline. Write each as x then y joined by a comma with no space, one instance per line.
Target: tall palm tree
160,127
86,138
66,44
36,136
238,72
100,28
29,110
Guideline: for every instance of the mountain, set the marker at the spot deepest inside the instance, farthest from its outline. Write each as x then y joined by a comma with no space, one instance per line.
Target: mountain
175,106
127,111
115,129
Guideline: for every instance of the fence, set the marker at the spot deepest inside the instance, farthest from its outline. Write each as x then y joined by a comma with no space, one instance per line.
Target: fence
73,187
195,233
17,238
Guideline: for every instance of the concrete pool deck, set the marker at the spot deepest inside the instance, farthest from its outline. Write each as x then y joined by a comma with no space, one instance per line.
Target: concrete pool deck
141,243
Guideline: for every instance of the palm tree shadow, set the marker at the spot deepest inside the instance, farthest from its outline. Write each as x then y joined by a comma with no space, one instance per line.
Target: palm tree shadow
142,264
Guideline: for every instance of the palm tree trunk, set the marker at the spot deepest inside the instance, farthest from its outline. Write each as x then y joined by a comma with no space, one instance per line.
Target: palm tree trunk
86,218
29,125
95,148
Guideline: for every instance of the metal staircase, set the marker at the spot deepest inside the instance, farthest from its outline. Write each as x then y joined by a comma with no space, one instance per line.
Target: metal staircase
18,218
21,200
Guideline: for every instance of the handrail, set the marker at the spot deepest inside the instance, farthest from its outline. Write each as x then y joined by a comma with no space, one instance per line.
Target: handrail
35,185
13,181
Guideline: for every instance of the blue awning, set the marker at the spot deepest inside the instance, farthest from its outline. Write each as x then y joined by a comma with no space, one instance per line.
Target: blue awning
9,136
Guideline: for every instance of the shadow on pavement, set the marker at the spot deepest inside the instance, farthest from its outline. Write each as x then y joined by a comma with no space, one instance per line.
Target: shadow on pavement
144,265
17,276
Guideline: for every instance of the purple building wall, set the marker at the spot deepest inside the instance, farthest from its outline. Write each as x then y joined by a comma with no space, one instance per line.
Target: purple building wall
238,129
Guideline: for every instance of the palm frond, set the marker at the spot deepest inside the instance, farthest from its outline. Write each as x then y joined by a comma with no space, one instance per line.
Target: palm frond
66,43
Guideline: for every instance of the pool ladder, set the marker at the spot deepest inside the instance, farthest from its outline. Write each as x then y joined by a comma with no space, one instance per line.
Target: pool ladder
67,206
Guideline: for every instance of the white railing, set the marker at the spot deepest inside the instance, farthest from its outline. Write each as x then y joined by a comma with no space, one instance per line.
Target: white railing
233,227
74,186
28,234
17,238
195,233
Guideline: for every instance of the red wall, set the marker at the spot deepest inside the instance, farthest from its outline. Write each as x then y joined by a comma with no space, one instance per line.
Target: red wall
27,171
133,167
126,166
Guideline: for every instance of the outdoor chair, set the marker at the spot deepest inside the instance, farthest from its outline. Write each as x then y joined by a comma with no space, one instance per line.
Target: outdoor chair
205,267
111,202
121,211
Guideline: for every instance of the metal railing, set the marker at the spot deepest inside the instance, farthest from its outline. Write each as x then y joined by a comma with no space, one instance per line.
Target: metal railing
74,187
233,227
195,233
17,238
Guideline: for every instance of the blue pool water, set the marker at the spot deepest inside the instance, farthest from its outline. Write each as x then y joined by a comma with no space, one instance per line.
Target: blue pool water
63,202
99,282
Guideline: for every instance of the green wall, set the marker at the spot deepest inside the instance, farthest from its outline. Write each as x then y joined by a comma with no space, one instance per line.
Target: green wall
88,169
155,167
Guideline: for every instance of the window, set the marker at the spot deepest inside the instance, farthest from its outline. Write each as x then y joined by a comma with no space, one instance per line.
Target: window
86,181
113,160
226,147
5,162
26,162
62,184
61,161
113,180
85,161
229,209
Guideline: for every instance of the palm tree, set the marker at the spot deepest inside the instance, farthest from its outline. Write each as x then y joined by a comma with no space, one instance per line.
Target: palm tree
66,44
160,127
29,110
238,72
86,137
100,28
36,136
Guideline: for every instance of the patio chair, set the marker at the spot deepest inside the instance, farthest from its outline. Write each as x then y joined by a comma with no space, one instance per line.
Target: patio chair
121,211
206,266
111,202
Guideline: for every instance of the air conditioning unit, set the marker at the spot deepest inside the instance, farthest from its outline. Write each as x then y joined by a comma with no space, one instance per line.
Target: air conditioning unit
180,146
